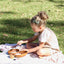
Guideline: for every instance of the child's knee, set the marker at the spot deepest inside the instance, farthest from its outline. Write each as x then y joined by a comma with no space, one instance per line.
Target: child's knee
43,52
39,52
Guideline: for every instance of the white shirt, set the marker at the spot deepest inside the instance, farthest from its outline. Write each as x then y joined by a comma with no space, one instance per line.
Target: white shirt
48,36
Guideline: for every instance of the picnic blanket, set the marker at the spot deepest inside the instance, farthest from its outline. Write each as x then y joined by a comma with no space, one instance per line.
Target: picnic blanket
57,58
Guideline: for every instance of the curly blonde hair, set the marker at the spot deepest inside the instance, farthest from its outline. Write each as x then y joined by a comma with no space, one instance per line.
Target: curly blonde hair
40,19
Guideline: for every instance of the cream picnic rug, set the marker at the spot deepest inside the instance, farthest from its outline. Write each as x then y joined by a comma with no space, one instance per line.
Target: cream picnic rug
57,58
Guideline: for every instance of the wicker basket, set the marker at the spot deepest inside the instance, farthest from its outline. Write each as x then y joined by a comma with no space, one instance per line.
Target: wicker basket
22,53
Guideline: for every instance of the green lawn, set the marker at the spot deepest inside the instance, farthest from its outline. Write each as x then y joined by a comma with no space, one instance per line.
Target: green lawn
15,18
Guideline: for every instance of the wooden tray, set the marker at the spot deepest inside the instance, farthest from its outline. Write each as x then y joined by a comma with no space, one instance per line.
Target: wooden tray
13,51
22,53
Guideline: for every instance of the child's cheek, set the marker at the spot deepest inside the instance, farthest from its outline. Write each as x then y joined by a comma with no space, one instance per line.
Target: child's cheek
36,31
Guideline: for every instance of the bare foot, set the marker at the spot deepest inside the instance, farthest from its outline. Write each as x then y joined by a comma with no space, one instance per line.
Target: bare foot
41,56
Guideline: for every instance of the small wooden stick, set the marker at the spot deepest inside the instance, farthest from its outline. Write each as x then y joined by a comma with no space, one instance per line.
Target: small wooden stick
14,46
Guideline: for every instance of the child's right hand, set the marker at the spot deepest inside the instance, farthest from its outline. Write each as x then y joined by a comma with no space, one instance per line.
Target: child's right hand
20,42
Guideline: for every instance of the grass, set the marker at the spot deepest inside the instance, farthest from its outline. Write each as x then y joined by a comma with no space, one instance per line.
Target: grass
15,18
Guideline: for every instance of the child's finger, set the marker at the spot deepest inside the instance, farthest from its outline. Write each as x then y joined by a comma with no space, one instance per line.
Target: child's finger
19,43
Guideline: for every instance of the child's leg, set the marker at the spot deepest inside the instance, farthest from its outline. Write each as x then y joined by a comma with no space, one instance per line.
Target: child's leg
31,45
43,52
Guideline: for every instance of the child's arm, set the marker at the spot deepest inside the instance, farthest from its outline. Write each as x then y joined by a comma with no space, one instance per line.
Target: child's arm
32,38
36,48
27,40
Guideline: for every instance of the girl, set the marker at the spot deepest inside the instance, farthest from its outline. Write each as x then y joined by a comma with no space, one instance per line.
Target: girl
48,43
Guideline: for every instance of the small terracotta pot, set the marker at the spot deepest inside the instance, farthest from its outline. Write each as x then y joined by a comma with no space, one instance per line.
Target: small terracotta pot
11,56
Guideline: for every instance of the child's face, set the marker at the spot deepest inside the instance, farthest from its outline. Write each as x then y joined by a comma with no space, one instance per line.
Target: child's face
35,28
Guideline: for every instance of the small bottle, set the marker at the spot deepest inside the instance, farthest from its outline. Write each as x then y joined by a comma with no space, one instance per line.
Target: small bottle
11,56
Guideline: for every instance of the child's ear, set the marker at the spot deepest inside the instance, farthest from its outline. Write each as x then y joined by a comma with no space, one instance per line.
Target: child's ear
40,27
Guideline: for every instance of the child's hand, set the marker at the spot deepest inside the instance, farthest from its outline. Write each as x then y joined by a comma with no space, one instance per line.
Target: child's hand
20,42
